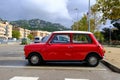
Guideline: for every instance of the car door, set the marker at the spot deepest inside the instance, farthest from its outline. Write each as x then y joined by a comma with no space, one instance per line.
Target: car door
81,46
59,47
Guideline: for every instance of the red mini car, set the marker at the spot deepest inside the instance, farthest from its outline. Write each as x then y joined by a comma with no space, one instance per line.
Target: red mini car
66,46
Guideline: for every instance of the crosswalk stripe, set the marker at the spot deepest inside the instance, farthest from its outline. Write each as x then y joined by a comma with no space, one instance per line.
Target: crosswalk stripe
24,78
75,79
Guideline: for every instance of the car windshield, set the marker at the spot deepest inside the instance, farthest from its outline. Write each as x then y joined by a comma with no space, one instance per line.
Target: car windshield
45,39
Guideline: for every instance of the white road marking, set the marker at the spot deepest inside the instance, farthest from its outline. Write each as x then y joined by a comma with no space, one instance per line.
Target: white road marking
24,78
75,79
13,52
55,68
12,58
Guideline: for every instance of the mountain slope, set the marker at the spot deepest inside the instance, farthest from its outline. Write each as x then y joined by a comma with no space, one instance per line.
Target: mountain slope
37,24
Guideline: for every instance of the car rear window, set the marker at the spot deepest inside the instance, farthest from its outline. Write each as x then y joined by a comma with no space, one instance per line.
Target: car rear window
81,38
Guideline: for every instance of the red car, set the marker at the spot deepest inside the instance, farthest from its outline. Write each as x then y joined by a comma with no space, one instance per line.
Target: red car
66,46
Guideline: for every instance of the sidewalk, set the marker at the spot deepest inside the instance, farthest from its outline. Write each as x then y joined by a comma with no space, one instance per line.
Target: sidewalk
112,56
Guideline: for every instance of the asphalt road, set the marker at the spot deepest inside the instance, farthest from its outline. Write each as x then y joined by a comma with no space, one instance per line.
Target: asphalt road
13,66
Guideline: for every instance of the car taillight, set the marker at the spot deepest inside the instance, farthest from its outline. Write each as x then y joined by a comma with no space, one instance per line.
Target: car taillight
103,50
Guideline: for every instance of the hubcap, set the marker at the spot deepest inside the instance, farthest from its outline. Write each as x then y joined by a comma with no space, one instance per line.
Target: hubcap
34,59
93,60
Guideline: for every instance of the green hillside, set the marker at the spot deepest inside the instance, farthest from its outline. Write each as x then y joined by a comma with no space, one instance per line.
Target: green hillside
37,24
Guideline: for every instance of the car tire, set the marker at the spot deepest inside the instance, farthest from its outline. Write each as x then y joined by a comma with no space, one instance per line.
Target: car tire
35,59
92,60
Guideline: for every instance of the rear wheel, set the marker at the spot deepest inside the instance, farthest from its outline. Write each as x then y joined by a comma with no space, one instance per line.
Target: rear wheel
92,60
35,59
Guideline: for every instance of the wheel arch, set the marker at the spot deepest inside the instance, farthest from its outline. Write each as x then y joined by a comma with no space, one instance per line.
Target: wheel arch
93,53
32,53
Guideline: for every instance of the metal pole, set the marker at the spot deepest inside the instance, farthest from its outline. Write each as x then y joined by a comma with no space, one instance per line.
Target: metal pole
89,16
73,25
76,17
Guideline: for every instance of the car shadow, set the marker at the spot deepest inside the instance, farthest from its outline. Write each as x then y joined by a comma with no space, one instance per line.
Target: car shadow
46,64
62,64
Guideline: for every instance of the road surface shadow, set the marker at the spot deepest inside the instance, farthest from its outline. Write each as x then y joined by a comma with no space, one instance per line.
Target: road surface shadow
46,64
62,64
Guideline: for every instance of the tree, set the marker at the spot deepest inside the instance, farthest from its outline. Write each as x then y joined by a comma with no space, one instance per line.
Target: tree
82,24
116,30
15,34
110,9
99,36
96,15
30,36
107,31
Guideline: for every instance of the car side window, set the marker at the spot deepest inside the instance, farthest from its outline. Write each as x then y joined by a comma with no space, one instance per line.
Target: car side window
60,38
81,38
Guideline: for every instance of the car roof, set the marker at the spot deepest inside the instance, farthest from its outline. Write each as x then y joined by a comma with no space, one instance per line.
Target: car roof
83,32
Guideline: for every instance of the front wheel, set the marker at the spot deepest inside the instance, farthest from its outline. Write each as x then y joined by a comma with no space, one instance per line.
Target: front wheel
35,59
92,60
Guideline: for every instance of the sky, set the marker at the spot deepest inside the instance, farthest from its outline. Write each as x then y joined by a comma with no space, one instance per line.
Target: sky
56,11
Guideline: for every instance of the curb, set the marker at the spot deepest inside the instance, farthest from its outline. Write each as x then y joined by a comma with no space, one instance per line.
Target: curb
111,66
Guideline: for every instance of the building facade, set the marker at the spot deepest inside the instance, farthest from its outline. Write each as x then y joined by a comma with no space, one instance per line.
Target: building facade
39,33
5,30
2,31
23,32
9,31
